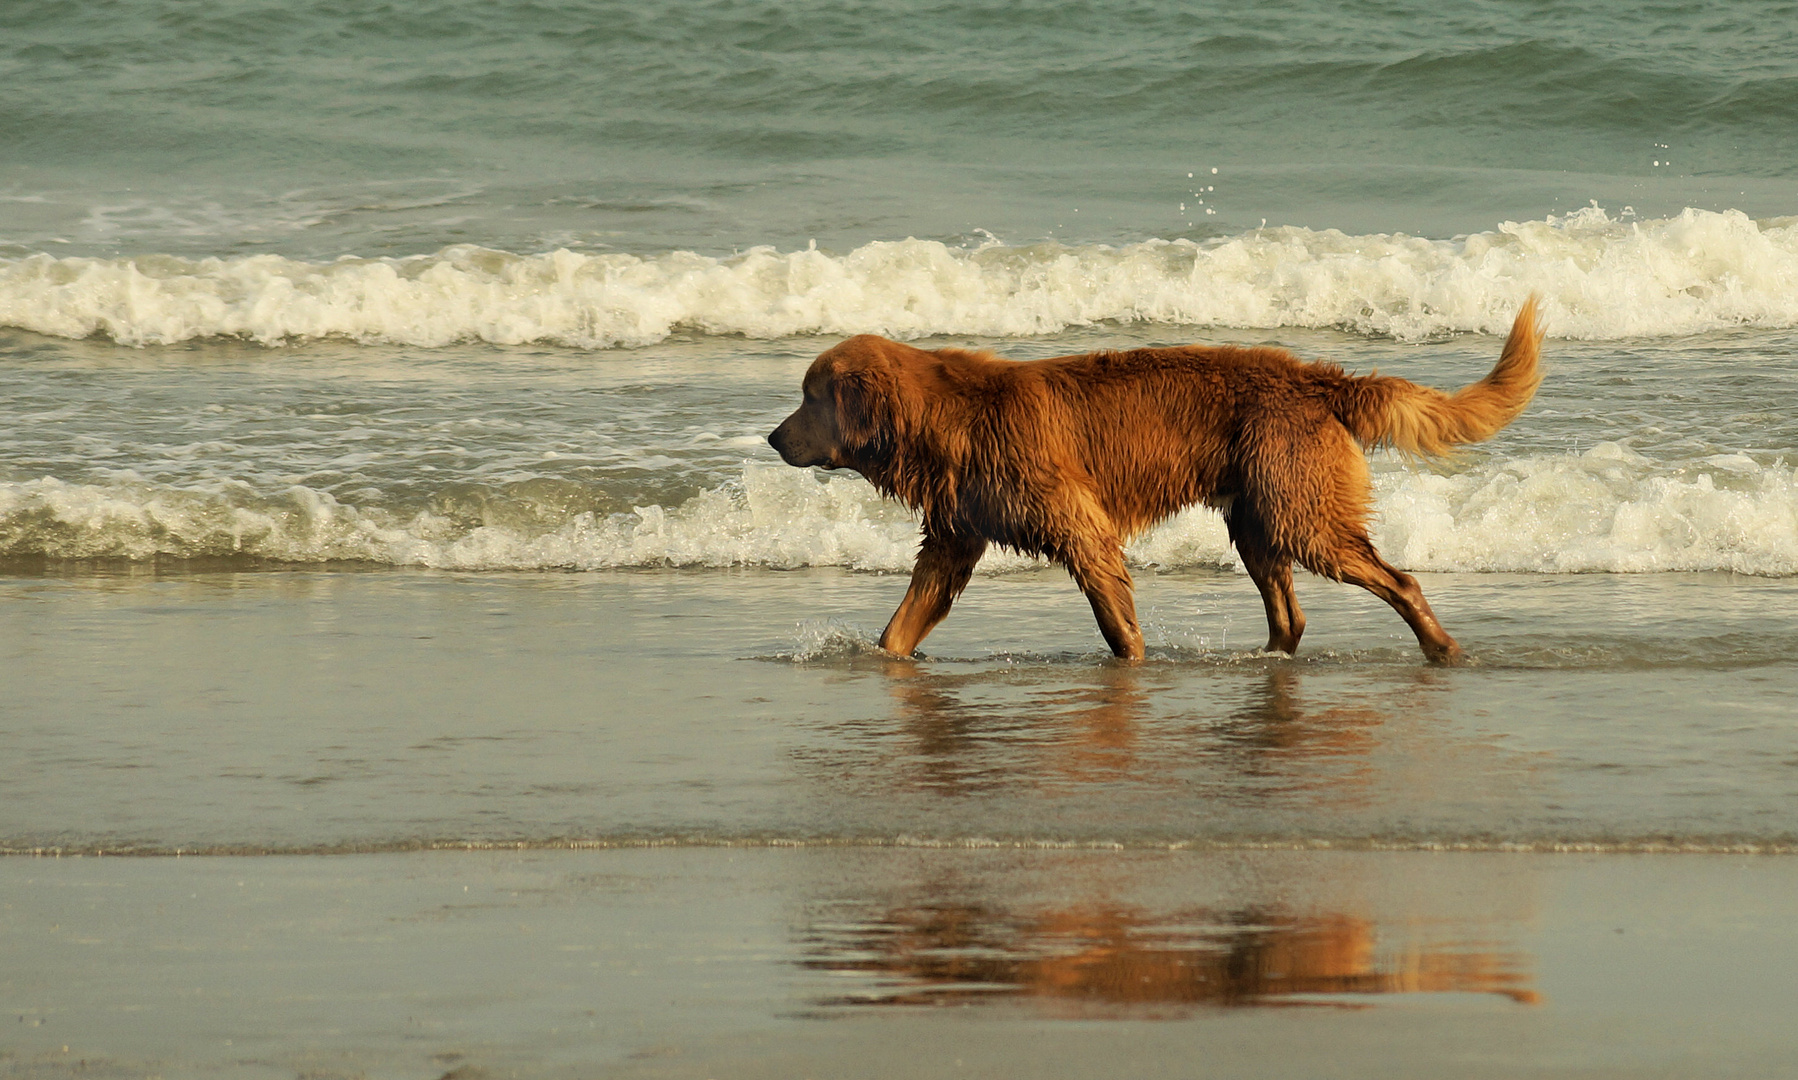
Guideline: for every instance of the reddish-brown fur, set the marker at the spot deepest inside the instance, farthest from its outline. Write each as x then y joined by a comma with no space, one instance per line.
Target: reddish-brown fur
1069,458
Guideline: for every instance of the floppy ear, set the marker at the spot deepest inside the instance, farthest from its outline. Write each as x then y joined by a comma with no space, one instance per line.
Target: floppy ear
865,413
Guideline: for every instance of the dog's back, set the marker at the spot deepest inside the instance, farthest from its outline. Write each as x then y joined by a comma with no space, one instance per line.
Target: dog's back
1164,429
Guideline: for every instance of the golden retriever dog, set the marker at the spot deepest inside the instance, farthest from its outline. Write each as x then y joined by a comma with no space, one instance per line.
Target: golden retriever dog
1069,458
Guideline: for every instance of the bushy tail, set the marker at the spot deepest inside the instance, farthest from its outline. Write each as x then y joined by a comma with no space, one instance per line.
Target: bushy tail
1420,420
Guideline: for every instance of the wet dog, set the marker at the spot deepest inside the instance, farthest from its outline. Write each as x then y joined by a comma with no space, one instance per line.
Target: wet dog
1069,458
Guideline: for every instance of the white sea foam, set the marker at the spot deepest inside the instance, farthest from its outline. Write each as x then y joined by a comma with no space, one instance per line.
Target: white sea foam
1607,509
1601,276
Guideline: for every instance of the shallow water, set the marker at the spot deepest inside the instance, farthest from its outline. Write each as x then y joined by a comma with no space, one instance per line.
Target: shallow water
1639,456
329,711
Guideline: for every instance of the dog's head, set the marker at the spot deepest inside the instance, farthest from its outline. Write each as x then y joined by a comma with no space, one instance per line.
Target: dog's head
847,419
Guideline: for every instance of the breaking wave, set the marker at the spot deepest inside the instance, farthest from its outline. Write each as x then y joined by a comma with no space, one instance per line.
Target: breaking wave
1608,509
1602,277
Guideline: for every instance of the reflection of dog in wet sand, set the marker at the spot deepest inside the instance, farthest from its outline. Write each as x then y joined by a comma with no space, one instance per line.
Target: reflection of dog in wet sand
1096,955
1070,457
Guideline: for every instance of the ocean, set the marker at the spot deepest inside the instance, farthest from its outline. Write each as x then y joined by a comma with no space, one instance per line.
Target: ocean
384,390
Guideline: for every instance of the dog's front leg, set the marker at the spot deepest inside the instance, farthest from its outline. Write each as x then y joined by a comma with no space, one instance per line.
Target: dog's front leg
945,563
1097,566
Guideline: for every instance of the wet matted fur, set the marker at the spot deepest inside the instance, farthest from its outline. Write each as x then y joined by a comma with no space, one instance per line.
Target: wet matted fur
1069,458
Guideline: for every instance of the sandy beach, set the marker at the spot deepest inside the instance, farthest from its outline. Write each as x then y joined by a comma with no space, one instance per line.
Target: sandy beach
1008,866
771,962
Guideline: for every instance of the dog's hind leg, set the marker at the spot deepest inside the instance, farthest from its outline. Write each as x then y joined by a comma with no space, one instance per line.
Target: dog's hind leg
1307,493
944,566
1359,564
1273,576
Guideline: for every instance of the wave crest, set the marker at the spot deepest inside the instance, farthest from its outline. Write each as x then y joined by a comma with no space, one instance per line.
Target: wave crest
1607,509
1601,278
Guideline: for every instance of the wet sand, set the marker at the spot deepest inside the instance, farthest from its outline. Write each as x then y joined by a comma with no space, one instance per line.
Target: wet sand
316,711
740,846
892,962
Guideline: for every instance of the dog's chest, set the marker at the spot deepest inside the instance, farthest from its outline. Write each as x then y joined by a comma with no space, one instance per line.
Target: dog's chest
1008,513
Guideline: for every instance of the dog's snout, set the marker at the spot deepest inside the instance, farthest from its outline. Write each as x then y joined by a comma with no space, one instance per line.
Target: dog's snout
788,442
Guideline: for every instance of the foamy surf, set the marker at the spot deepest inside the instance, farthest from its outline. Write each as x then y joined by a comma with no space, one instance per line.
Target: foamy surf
1606,509
1601,277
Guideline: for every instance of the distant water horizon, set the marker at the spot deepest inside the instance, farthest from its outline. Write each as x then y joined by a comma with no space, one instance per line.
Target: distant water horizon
314,132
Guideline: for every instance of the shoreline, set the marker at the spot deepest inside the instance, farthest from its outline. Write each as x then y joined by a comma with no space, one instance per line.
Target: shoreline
1500,847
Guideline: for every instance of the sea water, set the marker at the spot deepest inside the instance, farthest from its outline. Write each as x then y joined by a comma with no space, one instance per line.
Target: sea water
384,388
